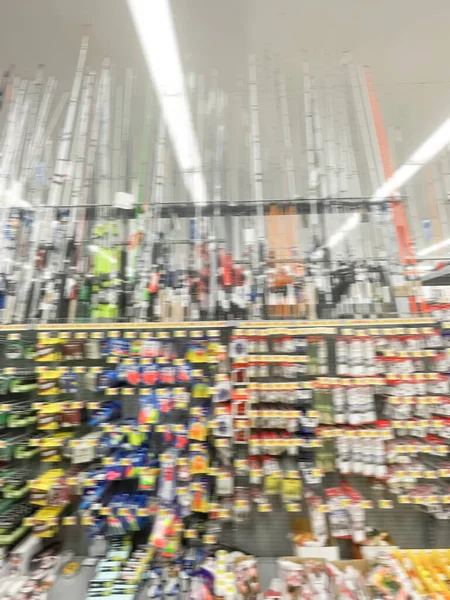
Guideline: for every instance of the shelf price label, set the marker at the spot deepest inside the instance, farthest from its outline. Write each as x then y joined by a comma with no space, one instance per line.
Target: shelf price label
403,499
112,391
209,539
190,534
385,504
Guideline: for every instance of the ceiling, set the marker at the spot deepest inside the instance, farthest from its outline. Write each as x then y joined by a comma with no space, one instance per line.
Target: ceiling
405,43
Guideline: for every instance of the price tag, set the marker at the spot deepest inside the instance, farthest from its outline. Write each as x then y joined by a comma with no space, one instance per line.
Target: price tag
432,499
128,391
14,336
366,504
97,335
404,499
93,405
129,335
81,335
69,521
264,507
209,539
293,507
113,334
113,360
385,504
317,472
179,334
112,391
190,534
223,513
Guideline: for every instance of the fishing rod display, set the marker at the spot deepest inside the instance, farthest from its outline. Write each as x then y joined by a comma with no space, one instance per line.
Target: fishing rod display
92,230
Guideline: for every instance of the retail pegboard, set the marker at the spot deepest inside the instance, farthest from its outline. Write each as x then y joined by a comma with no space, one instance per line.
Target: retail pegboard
267,533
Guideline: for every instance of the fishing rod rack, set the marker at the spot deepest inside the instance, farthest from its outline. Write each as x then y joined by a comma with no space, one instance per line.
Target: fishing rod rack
83,237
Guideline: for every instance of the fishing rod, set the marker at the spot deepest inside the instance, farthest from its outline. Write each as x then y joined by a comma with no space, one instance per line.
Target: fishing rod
196,230
259,225
5,86
65,305
136,225
147,288
105,254
25,212
34,182
11,214
47,302
35,102
125,161
7,202
293,299
216,186
81,295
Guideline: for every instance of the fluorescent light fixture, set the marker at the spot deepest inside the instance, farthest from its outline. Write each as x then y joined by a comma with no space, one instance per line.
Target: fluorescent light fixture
350,224
154,25
433,145
426,152
434,247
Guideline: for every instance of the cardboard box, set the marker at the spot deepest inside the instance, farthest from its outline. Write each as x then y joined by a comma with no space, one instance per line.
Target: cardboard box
329,551
373,552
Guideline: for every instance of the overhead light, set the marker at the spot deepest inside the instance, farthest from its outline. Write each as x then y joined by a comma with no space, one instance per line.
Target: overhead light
426,152
154,25
350,224
433,145
403,174
434,247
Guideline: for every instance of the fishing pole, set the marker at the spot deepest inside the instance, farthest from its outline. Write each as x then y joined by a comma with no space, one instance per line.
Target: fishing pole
47,303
